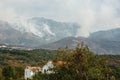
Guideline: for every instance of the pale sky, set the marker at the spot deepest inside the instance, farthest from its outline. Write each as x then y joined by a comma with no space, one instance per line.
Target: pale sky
92,15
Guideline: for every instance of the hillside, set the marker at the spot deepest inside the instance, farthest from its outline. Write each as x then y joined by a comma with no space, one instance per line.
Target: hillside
11,36
110,35
46,33
101,42
19,59
35,31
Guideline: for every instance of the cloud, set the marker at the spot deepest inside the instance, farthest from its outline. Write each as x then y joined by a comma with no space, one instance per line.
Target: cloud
6,13
92,15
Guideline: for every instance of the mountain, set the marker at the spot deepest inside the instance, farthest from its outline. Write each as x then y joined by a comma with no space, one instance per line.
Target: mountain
110,35
102,42
11,36
47,29
35,31
47,33
97,46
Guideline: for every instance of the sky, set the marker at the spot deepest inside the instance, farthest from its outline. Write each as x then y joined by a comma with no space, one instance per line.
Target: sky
91,15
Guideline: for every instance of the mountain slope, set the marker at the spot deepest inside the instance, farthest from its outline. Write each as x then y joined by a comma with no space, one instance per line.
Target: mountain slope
97,46
11,36
35,31
51,34
47,29
111,35
102,42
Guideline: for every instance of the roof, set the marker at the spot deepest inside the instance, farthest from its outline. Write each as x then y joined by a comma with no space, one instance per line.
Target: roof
33,68
58,63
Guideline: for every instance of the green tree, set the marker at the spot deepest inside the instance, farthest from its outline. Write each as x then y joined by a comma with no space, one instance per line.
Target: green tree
8,73
19,72
81,64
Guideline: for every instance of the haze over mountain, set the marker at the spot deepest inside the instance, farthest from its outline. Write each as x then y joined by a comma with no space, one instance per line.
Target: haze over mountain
110,35
92,15
35,31
11,36
101,42
47,28
47,33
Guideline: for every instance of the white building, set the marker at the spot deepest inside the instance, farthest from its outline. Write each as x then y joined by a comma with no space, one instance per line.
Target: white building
47,68
30,72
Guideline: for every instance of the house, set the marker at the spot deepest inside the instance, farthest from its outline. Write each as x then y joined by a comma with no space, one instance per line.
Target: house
51,64
30,72
46,68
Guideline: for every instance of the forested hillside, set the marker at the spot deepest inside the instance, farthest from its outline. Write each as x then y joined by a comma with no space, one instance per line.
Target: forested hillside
19,59
13,62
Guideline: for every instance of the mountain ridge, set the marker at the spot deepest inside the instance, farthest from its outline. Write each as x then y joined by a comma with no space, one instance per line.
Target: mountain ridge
36,31
54,35
101,42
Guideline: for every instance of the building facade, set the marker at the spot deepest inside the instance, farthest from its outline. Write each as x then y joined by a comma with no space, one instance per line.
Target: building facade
30,72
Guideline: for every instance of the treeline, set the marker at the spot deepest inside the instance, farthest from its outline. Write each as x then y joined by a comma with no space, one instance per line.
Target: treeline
25,57
82,64
13,62
12,73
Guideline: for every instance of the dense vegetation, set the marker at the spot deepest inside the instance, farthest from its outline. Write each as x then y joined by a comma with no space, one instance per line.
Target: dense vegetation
19,59
82,64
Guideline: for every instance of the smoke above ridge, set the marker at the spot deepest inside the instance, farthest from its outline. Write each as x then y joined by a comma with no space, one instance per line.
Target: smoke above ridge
92,15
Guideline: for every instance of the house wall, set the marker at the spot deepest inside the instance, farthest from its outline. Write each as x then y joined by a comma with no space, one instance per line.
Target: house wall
28,74
46,68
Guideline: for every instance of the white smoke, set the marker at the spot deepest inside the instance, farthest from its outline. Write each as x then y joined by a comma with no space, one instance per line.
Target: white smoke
47,29
92,15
